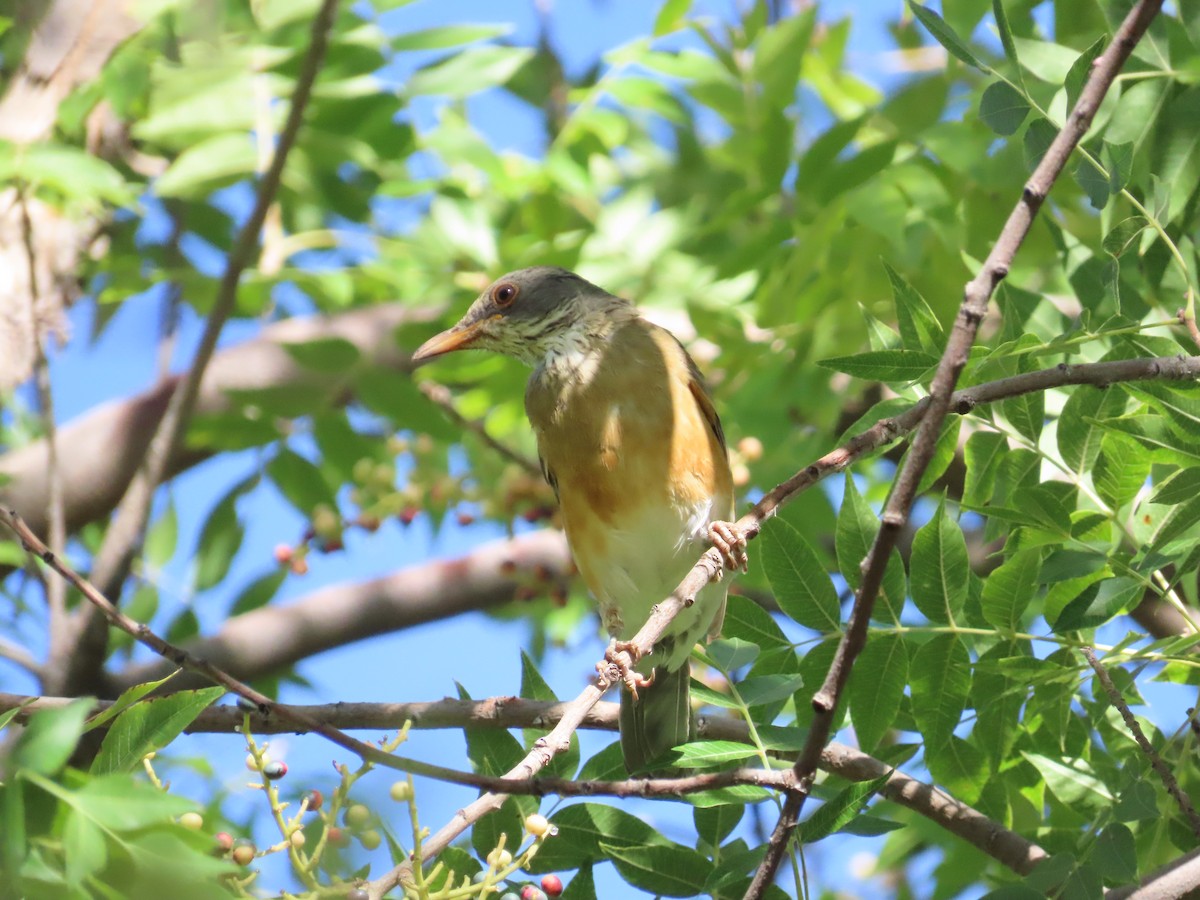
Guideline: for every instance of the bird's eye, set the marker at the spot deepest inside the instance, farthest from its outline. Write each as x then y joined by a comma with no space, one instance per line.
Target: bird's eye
504,294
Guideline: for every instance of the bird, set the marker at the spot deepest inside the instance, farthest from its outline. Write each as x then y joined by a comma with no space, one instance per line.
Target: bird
631,443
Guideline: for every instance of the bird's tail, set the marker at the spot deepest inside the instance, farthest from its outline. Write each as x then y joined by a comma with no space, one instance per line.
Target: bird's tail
661,718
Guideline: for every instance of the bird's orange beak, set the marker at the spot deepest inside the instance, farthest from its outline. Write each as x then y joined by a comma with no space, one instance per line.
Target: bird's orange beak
459,337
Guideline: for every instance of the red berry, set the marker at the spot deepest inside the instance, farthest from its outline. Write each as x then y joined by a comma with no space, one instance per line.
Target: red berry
275,770
407,515
337,837
315,799
224,840
465,519
283,554
552,885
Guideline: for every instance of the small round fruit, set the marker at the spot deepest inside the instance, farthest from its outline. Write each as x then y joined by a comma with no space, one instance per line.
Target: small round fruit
510,896
751,449
370,839
529,892
297,839
357,816
275,770
252,763
499,859
224,840
283,554
313,800
537,825
401,791
552,885
192,820
243,854
357,894
337,837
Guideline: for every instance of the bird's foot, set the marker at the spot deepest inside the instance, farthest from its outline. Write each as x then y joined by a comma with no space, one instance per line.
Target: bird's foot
623,656
731,544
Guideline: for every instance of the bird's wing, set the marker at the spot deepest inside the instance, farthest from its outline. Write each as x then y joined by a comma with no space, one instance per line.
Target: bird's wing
699,389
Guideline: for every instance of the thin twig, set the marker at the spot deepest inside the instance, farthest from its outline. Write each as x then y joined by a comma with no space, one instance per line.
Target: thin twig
18,655
895,515
125,531
56,589
441,396
1164,773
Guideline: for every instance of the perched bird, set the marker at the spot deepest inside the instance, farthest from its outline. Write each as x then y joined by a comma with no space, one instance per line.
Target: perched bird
630,442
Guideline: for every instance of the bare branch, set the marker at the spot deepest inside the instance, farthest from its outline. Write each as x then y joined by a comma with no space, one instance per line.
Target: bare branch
895,515
1176,880
1164,773
967,823
342,613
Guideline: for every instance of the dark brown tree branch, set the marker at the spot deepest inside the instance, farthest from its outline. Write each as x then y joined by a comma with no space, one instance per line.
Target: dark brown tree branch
958,346
1007,847
1164,772
124,533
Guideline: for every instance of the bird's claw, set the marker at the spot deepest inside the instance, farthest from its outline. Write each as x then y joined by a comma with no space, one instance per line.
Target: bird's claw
731,544
623,656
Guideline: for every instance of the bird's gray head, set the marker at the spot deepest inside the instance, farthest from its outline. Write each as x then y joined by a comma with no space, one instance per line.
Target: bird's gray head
531,314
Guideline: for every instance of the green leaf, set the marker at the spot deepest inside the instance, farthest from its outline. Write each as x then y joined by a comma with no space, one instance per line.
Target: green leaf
9,714
945,35
469,72
215,162
983,454
670,16
148,726
582,827
446,36
802,587
1122,235
1121,471
162,538
1008,590
960,766
746,620
1002,108
1178,149
333,355
1073,781
582,886
669,871
259,592
903,366
534,687
706,754
1081,68
919,327
730,654
68,171
50,737
1182,486
940,677
88,852
764,689
715,823
876,688
836,813
779,51
939,568
1006,38
855,532
1026,413
1038,137
1098,603
1093,180
220,540
128,698
300,482
1180,520
1114,854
